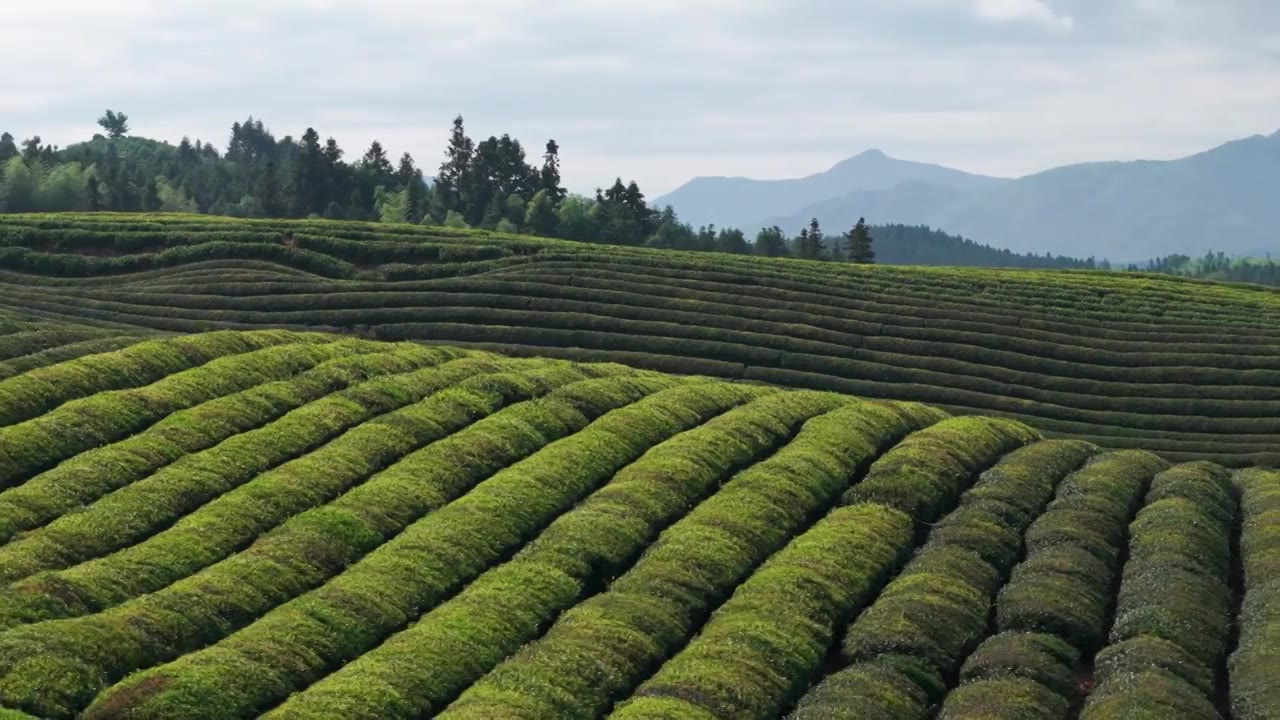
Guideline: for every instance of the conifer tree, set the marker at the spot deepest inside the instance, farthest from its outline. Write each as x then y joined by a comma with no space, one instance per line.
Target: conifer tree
860,244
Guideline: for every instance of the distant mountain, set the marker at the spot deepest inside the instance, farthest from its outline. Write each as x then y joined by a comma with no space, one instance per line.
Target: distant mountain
1222,199
736,202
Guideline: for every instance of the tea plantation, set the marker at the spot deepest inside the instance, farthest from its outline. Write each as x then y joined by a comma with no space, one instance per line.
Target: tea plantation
323,470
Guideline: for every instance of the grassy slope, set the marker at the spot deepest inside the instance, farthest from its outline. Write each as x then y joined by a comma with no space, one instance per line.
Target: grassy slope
1187,369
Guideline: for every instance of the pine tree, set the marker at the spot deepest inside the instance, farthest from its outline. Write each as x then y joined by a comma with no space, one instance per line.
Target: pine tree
406,173
809,245
550,175
455,172
860,244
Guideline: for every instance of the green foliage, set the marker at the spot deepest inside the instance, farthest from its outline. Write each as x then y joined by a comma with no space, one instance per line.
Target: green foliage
925,474
1254,664
396,679
116,124
1046,660
212,446
599,650
859,244
1174,607
368,600
928,619
763,646
1064,585
1009,698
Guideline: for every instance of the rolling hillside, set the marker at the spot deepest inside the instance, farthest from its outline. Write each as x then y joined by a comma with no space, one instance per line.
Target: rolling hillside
299,525
1187,369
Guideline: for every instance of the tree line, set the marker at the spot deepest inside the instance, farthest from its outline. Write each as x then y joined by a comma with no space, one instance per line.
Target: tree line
491,184
1215,265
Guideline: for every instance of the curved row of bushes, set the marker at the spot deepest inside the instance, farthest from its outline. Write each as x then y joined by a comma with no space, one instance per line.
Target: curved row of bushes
1255,663
370,426
598,651
370,598
417,671
143,508
1056,607
1173,611
299,555
43,389
760,650
894,376
255,425
916,634
1063,287
34,445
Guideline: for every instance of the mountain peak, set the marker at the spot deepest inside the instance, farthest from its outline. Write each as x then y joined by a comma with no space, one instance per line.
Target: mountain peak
872,154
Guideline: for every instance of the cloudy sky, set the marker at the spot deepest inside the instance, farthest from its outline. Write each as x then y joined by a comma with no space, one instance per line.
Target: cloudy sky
662,90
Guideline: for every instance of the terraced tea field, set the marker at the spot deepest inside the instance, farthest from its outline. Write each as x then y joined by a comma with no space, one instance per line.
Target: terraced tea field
292,517
1188,370
298,525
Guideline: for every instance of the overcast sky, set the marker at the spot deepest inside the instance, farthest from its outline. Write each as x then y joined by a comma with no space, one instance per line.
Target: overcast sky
663,90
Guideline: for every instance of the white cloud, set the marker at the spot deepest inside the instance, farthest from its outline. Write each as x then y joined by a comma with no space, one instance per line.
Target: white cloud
1037,11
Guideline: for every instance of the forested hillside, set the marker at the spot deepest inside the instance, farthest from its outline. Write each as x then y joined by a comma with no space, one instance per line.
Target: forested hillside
490,184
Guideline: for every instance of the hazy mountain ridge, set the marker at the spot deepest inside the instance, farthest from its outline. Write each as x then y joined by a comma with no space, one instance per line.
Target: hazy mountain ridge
1223,198
738,201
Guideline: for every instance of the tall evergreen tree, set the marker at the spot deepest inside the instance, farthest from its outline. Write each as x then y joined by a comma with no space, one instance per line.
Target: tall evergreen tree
455,171
810,245
406,172
860,244
550,175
